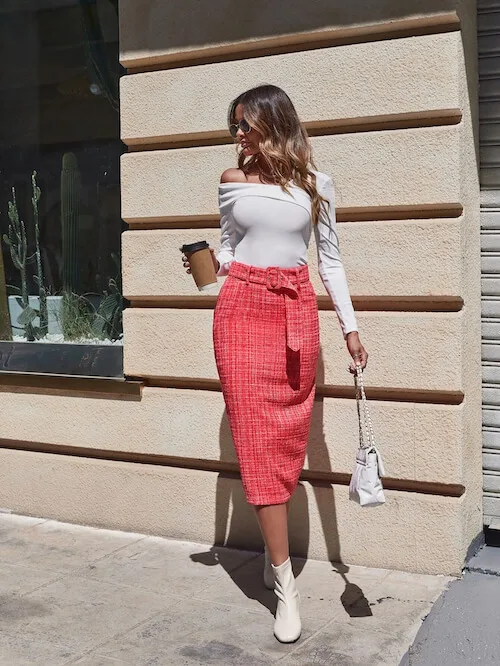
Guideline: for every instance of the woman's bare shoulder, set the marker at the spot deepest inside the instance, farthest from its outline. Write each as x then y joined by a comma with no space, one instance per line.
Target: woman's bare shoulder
233,176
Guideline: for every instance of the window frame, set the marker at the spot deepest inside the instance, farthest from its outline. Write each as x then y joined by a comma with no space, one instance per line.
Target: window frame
64,358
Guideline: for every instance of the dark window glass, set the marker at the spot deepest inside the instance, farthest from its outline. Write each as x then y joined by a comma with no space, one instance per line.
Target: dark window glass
59,181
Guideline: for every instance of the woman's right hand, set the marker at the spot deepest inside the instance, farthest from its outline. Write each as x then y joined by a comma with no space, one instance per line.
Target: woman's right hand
357,351
186,264
216,263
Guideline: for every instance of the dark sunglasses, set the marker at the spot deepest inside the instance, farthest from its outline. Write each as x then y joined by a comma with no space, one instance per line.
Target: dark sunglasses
242,125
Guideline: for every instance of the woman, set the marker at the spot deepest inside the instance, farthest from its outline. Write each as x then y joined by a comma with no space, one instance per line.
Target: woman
266,329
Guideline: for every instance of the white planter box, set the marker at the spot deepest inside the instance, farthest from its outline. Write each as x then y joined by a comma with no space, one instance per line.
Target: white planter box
54,307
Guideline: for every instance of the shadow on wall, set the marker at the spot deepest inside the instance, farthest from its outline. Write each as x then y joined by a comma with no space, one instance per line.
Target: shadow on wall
237,527
156,25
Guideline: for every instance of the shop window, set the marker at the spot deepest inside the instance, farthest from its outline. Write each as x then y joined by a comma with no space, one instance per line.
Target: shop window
60,275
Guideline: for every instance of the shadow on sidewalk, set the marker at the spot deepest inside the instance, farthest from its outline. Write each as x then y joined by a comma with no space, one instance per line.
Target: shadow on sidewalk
236,525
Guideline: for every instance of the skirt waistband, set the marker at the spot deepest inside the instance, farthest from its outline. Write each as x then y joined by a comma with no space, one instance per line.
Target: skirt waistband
272,277
284,281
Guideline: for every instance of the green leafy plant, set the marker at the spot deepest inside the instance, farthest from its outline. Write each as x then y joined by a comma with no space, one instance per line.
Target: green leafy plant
76,317
108,322
80,319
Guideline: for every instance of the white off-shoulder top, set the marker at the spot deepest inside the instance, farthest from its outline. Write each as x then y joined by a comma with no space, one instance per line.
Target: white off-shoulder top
262,225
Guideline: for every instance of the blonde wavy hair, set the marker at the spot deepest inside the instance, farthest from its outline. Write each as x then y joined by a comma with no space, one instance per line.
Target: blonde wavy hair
285,149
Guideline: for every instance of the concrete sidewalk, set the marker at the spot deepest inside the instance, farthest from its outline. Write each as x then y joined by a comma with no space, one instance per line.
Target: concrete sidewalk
77,595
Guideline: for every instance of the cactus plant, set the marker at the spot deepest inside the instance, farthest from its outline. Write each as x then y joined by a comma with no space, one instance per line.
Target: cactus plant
5,327
42,292
70,216
17,242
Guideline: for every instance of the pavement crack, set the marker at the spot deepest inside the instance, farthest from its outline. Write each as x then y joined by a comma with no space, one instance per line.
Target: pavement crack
485,572
403,601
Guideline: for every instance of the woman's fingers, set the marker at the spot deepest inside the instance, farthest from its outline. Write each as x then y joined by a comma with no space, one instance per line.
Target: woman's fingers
359,357
352,365
214,259
186,264
362,359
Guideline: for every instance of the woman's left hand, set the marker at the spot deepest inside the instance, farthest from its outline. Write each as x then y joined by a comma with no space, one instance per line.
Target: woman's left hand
357,351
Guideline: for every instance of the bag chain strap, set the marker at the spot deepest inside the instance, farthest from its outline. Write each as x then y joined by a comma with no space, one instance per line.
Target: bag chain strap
364,420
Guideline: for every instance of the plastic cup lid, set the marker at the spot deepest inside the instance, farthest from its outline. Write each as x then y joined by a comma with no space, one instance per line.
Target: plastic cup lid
194,247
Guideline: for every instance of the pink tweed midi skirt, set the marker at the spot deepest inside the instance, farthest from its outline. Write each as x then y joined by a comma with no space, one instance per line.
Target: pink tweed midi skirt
266,341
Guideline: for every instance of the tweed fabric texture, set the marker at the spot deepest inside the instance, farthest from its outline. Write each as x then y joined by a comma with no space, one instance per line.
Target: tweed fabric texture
266,342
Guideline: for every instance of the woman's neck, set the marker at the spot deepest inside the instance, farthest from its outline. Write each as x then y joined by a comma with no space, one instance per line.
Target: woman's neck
259,170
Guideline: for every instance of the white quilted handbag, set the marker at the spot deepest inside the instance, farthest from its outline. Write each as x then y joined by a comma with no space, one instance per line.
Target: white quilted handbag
366,487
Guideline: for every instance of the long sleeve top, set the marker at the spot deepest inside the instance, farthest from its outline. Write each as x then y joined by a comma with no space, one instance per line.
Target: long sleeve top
262,225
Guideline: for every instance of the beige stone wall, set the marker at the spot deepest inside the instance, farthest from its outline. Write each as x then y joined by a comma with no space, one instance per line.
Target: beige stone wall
414,532
369,169
418,350
169,193
157,424
321,85
152,28
470,245
148,258
410,166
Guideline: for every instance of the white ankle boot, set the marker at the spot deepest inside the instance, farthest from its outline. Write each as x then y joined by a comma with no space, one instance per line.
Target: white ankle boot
268,571
287,625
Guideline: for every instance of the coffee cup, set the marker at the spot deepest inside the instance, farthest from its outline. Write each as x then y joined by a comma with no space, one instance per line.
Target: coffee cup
201,265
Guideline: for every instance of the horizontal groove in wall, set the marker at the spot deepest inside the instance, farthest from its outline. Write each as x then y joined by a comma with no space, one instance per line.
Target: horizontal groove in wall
394,121
184,222
303,41
219,466
352,214
361,303
322,390
81,387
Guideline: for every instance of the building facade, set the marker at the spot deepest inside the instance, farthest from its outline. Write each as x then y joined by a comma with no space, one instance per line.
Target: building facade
389,94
